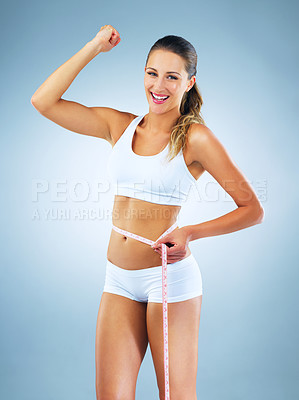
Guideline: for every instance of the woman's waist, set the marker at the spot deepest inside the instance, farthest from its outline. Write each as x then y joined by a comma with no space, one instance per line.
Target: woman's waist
130,253
142,217
149,229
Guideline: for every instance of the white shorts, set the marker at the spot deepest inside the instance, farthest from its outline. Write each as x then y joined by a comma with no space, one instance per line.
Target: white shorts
184,281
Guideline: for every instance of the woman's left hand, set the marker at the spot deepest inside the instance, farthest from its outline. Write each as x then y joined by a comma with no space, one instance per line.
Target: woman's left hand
179,239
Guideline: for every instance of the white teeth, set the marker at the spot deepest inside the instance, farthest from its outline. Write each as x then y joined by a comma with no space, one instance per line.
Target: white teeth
159,98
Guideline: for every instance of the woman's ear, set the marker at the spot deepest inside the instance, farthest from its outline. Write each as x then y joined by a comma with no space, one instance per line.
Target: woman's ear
191,83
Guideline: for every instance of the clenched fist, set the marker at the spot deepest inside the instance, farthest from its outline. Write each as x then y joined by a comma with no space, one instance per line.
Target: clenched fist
107,38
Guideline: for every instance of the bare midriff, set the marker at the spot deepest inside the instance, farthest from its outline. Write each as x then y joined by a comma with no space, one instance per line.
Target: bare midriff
143,218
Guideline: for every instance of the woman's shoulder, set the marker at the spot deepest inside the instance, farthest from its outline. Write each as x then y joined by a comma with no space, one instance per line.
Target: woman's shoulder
198,134
198,138
204,145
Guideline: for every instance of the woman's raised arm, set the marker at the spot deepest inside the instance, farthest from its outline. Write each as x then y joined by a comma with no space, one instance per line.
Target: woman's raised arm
93,121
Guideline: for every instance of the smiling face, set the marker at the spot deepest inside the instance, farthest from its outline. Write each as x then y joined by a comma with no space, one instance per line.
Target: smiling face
166,78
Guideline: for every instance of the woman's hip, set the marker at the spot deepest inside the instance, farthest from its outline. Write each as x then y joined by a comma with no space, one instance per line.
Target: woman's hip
184,281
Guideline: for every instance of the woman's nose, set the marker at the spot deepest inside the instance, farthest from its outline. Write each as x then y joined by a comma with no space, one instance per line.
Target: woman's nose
159,85
159,89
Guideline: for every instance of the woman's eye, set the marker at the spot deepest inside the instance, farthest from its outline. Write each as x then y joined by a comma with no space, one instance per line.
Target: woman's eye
170,76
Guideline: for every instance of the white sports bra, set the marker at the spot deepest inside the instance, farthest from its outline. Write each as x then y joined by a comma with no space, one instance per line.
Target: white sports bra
148,178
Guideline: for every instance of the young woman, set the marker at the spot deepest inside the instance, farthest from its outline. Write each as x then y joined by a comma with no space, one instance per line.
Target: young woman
155,158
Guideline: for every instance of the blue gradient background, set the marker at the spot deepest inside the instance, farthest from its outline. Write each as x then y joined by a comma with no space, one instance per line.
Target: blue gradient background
52,270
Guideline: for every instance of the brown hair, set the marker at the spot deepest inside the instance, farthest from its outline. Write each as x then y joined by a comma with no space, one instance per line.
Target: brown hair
192,101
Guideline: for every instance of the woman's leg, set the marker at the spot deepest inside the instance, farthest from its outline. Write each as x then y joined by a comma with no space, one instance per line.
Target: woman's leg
183,330
120,346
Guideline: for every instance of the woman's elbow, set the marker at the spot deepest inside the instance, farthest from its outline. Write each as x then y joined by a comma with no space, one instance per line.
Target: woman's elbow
260,214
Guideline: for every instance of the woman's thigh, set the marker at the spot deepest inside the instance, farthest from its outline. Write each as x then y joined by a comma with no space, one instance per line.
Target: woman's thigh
120,346
183,330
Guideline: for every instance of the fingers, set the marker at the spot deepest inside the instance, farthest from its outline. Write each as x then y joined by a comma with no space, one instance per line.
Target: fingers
174,251
170,247
115,36
115,41
174,259
118,41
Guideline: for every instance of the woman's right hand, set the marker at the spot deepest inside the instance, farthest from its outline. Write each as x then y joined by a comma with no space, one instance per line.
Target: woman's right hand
107,38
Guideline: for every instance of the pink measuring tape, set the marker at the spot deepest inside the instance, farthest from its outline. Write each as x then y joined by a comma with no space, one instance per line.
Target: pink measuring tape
164,292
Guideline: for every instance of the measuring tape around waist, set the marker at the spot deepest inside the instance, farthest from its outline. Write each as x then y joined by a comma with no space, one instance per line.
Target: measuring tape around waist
164,292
